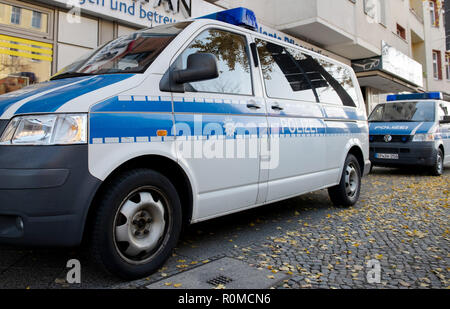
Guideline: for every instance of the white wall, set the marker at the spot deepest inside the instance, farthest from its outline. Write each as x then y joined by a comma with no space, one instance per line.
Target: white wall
71,45
70,32
67,54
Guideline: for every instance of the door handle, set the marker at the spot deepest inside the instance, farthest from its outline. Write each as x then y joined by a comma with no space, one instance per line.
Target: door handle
252,104
277,107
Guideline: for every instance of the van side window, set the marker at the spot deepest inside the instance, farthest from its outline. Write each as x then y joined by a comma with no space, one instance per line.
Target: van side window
444,110
283,74
233,62
335,85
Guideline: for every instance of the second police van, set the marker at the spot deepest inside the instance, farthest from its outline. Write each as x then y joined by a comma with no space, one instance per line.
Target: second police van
170,126
411,130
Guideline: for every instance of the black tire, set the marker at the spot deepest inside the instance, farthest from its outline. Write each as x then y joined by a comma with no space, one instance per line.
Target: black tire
109,252
340,195
438,168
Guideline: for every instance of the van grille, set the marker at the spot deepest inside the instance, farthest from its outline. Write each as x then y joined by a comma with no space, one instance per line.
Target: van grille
3,124
395,138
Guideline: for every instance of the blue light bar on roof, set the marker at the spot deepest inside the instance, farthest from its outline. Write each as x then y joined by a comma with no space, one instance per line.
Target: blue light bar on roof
415,96
239,17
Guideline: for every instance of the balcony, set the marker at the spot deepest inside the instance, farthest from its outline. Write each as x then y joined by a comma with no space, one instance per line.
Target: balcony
320,21
416,26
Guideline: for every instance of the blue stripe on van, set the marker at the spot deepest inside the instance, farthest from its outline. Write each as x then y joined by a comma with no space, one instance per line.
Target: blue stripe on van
132,104
106,128
400,128
54,100
127,127
7,100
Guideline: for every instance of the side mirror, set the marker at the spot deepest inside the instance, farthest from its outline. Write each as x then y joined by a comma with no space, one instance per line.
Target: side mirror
446,120
200,67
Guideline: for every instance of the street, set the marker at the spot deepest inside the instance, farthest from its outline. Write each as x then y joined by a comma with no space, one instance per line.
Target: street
401,221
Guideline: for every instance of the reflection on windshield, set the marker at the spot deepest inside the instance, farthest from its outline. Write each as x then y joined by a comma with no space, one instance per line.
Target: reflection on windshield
128,54
404,111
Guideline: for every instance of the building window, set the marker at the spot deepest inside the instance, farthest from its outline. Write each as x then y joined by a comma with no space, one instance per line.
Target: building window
434,13
376,9
401,32
447,66
25,18
36,21
437,70
15,15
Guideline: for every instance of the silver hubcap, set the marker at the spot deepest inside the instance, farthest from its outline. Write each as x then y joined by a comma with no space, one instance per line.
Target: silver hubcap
351,180
139,225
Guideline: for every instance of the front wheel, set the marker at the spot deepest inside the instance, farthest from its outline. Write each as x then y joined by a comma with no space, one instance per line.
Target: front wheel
438,168
346,193
137,224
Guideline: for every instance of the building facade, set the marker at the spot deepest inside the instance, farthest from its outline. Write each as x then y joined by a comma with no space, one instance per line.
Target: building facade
393,45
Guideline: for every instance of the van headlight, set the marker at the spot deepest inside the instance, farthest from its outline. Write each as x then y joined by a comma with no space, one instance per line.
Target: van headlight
54,129
423,137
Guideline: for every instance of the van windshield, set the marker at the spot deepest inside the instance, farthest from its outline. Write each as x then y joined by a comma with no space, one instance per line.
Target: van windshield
128,54
404,112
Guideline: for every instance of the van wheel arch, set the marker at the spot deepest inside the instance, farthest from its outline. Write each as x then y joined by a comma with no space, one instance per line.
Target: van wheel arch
357,152
169,168
441,147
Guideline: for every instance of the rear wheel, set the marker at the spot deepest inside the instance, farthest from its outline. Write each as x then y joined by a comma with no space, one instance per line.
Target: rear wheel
438,168
137,224
346,193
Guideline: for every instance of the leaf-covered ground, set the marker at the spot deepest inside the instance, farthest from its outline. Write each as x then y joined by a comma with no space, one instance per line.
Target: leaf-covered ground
402,221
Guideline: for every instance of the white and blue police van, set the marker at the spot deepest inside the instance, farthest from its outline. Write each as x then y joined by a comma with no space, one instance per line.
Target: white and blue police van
411,130
170,126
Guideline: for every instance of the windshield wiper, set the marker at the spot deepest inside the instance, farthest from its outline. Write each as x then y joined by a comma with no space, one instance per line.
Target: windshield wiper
402,120
395,120
70,74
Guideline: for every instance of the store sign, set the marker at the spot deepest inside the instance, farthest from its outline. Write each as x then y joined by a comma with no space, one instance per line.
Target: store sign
369,64
139,12
394,62
397,63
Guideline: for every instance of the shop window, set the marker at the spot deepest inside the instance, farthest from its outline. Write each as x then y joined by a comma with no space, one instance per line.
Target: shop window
23,62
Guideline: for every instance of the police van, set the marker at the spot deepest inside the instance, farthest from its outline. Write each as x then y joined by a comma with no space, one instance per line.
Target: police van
171,126
411,130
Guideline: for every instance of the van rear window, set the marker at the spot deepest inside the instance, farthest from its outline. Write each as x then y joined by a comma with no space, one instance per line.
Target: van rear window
290,74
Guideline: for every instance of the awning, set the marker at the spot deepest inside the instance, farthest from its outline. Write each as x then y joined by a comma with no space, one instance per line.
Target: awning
385,82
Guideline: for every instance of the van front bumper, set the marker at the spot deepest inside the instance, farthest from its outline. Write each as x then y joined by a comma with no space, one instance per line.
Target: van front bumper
409,154
45,194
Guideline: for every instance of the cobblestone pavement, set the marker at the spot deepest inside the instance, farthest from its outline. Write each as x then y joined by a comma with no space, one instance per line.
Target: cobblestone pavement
402,220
